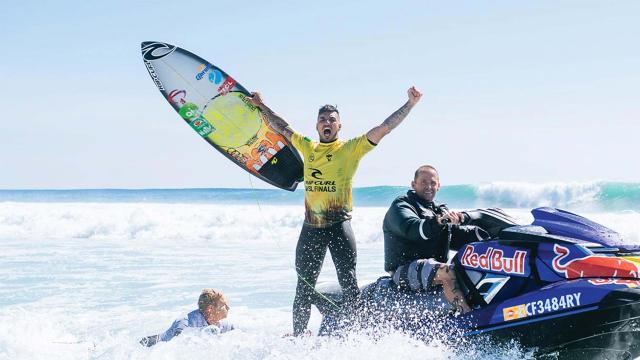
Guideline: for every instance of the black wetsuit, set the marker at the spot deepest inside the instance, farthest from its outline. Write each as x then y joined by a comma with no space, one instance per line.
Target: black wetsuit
412,232
310,252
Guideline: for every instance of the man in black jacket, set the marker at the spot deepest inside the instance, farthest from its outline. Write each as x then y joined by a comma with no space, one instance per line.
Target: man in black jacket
417,237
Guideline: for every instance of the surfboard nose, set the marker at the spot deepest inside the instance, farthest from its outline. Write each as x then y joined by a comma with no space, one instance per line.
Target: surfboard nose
154,50
147,43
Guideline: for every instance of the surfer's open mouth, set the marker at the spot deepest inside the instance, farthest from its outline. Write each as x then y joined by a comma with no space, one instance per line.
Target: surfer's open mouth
326,131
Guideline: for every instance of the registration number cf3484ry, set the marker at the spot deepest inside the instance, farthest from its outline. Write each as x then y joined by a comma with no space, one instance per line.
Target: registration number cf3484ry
542,306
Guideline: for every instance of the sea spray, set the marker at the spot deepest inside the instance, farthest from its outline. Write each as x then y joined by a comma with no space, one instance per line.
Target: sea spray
87,277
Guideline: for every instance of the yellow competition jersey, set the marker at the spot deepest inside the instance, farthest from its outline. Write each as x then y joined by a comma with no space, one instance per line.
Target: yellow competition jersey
328,174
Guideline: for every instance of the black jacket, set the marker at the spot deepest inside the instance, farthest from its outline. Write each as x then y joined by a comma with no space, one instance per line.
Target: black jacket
412,232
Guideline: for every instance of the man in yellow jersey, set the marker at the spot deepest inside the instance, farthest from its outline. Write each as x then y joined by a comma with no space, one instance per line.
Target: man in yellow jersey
329,167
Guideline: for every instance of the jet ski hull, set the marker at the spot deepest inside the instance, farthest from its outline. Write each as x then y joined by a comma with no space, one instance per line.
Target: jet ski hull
565,286
602,326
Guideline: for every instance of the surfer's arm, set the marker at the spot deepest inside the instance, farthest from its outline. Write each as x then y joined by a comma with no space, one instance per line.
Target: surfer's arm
377,133
276,121
175,330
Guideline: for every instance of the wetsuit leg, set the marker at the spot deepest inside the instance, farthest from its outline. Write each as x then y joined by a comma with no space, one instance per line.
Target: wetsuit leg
430,275
310,253
417,275
342,245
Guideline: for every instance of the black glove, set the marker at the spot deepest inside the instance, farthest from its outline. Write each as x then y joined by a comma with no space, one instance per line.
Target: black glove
149,341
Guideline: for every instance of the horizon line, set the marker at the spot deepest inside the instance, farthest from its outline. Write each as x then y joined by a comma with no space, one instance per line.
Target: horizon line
301,187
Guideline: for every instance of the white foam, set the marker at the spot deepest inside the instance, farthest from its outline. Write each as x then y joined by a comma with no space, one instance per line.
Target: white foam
143,222
88,280
530,195
259,336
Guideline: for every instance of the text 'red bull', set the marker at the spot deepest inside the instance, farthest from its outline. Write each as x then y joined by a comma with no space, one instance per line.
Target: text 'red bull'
494,260
593,265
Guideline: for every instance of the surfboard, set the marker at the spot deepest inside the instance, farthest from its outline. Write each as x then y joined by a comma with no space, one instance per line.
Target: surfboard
214,105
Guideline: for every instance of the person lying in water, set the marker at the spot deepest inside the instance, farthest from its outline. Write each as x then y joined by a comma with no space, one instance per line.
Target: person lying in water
416,234
211,312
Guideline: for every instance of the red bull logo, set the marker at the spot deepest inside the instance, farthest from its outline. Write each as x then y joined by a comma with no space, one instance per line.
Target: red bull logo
494,260
592,265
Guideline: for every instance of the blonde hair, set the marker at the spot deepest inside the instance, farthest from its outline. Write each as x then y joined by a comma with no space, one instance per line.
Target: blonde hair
209,297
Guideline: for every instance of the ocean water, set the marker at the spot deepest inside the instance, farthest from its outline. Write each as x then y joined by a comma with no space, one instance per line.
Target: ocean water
84,274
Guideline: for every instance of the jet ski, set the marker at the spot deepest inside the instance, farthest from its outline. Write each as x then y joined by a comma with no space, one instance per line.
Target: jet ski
565,286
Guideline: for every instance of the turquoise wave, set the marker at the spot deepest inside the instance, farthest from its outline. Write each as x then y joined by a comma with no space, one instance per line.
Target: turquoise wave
585,196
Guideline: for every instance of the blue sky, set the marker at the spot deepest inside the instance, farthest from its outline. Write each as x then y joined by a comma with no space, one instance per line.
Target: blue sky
514,91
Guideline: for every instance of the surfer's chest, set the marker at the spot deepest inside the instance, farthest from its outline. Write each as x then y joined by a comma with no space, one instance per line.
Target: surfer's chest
326,156
328,159
427,212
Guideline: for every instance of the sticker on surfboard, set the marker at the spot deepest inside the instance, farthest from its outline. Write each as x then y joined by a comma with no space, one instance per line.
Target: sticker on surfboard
213,104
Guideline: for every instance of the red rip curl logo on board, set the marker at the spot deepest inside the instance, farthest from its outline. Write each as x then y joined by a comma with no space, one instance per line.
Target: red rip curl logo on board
494,259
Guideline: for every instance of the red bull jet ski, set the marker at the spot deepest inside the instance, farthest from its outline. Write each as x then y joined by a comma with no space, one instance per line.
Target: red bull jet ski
564,286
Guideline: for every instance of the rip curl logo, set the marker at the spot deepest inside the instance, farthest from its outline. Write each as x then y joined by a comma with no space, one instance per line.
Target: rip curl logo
329,157
320,186
154,75
494,260
156,50
316,174
311,158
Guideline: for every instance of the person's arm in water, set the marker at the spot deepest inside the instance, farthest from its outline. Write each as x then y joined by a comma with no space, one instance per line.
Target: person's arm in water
277,122
377,133
175,330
